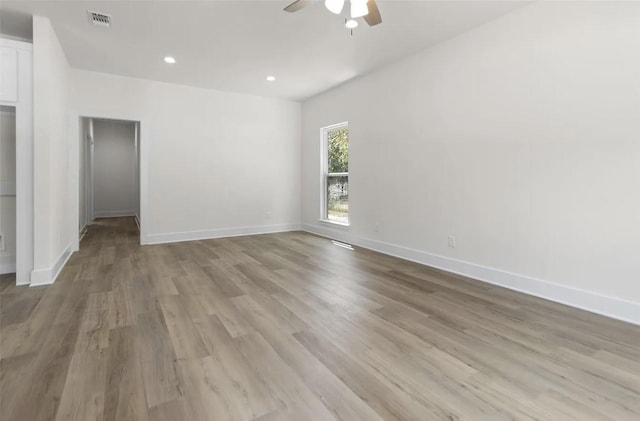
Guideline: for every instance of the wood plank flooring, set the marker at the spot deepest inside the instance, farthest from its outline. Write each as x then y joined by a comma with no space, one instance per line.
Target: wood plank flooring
290,327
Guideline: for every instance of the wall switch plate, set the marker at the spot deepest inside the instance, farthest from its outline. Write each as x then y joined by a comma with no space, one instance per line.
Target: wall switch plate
2,245
452,241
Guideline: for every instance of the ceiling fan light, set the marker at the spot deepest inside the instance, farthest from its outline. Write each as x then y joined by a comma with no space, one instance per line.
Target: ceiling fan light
334,6
351,24
359,8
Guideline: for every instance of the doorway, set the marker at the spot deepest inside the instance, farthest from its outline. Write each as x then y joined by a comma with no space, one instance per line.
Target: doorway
109,173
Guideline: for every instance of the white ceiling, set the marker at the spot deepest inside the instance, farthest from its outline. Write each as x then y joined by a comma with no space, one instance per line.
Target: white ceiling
234,45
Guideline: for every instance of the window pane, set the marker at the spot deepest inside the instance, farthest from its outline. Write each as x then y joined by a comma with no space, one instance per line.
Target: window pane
338,150
338,198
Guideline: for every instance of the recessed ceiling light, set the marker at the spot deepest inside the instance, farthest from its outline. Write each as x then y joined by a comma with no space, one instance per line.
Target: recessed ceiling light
351,24
170,60
271,78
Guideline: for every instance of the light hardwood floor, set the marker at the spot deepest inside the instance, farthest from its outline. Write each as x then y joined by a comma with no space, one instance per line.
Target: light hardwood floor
289,326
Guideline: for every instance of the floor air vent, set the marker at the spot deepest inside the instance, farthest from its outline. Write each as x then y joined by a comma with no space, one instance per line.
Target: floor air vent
341,244
99,19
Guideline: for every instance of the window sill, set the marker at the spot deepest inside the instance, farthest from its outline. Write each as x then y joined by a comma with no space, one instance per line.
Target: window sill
334,223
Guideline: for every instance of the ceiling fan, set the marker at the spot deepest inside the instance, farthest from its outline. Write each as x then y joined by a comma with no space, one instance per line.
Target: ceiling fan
367,9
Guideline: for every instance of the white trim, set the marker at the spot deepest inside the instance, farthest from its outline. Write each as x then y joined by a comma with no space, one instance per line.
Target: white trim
336,126
40,277
337,224
175,237
113,214
90,173
136,166
7,264
86,141
24,159
594,302
324,170
48,276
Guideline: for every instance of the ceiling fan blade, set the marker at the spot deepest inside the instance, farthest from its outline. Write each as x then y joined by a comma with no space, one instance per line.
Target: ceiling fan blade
373,17
296,5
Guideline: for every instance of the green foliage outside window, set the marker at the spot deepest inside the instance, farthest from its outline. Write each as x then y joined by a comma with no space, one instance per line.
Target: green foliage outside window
338,185
338,150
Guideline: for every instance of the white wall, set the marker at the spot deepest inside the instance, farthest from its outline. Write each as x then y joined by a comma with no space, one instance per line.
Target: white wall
51,153
114,168
8,188
218,163
520,138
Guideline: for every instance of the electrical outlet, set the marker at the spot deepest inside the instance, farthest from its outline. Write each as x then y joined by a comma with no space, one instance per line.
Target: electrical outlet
2,241
267,215
452,241
376,227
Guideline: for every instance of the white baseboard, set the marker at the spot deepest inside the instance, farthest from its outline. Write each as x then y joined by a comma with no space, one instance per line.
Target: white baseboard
7,264
594,302
48,276
137,221
175,237
114,214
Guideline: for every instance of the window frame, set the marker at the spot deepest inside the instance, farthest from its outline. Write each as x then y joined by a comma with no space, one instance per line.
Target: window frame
324,173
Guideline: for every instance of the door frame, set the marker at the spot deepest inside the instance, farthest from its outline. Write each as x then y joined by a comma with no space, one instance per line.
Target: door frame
24,160
74,167
87,139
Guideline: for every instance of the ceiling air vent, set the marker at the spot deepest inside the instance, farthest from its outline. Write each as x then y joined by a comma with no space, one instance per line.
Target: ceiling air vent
99,19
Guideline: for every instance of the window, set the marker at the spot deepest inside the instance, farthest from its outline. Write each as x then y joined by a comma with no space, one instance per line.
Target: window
335,174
